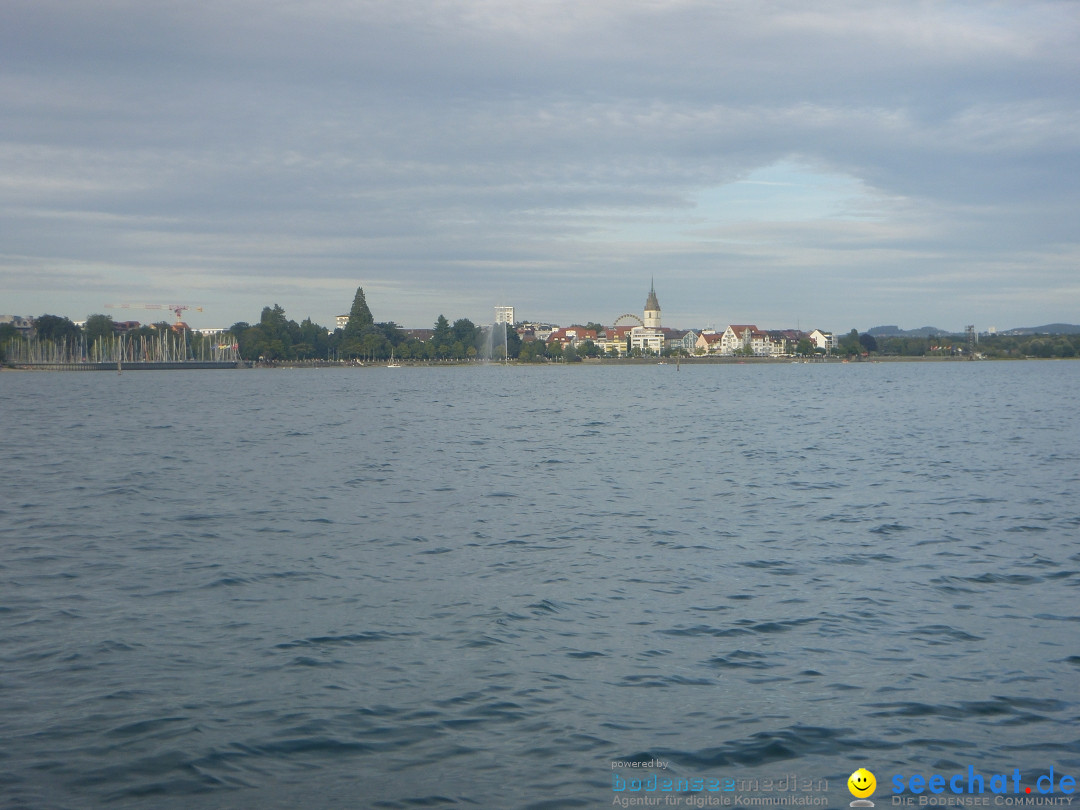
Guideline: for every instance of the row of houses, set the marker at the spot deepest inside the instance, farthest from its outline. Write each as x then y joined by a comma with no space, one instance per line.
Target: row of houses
646,336
748,339
736,339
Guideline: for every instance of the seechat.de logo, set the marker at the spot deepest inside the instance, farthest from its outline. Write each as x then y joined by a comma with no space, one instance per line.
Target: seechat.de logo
974,783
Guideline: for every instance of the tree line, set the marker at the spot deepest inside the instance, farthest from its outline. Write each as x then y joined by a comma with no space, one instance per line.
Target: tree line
992,346
275,337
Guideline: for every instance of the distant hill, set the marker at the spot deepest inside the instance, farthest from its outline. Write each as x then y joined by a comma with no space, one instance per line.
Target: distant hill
931,331
896,331
1049,329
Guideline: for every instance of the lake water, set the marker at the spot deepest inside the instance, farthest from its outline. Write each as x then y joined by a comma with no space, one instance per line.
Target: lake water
481,586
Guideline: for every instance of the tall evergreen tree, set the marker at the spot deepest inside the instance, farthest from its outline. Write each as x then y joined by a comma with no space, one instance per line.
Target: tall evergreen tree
443,337
360,317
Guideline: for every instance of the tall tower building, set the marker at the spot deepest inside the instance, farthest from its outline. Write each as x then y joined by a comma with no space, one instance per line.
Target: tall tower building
650,337
652,309
504,315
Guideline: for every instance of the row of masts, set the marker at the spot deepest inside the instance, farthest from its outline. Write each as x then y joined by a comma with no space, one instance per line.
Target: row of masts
165,347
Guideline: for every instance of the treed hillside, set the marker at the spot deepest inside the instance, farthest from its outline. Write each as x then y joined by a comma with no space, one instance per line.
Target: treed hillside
994,346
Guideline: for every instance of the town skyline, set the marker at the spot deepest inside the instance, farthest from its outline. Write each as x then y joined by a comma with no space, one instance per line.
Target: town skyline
200,318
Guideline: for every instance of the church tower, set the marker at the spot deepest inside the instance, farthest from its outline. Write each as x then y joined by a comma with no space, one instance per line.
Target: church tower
652,309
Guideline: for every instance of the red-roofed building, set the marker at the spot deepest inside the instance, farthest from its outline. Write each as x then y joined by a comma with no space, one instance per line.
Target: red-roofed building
572,335
709,342
737,337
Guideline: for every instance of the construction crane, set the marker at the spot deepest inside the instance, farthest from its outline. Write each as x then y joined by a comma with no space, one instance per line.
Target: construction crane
176,309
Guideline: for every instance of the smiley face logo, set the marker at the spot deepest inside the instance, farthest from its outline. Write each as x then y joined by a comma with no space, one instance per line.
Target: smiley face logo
862,783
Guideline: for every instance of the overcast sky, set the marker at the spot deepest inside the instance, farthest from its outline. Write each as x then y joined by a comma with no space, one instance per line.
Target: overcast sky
833,165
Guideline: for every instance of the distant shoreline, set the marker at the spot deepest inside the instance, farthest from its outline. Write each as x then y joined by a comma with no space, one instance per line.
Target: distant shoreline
652,361
623,361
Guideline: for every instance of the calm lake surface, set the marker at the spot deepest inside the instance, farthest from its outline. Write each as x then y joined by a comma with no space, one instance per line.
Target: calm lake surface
479,587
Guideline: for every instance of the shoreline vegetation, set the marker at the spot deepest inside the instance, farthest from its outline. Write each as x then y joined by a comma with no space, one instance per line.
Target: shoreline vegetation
707,360
585,362
57,343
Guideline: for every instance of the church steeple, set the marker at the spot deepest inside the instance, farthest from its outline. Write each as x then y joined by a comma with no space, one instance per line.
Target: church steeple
652,307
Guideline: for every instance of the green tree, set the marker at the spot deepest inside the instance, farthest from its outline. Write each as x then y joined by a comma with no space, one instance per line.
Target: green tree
349,348
360,318
470,336
392,332
805,347
442,340
464,330
238,330
588,349
98,327
252,343
866,340
361,337
312,340
55,327
535,351
275,334
374,344
513,342
8,332
259,346
849,343
274,323
1040,348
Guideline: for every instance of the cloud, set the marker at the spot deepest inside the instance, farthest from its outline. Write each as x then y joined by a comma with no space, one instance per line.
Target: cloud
552,154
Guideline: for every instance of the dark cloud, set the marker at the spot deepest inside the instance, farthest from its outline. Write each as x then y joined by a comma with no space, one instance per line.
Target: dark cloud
550,154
